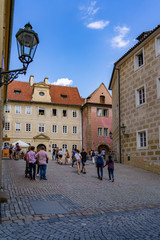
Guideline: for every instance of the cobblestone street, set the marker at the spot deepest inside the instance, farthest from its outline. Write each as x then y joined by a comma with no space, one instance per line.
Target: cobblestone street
72,206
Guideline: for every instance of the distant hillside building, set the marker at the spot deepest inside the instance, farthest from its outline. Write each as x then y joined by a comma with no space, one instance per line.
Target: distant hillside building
97,120
135,85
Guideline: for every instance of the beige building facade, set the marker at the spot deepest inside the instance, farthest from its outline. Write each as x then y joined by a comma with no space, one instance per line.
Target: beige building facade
135,85
45,114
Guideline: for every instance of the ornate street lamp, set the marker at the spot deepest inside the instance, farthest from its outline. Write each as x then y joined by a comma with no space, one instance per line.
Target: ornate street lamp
123,128
110,135
27,42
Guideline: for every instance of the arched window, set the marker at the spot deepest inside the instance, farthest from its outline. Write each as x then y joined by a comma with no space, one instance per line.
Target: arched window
102,99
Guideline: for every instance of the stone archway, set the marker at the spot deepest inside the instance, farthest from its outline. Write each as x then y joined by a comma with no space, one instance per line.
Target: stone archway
103,147
39,147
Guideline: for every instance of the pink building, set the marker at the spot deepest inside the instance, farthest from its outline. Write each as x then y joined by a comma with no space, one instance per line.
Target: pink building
97,121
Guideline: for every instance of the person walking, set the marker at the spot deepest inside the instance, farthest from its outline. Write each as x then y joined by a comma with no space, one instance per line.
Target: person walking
67,157
60,155
54,154
31,159
78,157
99,164
73,158
110,164
42,158
93,156
17,151
27,169
83,160
10,151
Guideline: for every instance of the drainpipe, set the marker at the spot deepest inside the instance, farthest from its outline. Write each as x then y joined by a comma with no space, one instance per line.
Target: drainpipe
120,155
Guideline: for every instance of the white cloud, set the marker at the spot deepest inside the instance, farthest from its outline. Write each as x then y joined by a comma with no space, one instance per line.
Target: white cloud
98,24
88,12
63,82
119,41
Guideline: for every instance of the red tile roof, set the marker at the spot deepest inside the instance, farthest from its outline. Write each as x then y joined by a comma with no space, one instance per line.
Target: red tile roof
73,97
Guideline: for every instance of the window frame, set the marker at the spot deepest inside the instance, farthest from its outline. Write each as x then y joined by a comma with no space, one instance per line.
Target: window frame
74,113
158,87
107,131
105,109
55,127
64,115
65,127
73,130
98,109
139,132
73,146
16,129
157,45
6,110
28,113
101,131
41,109
136,65
56,112
137,92
8,124
42,127
16,108
64,148
102,99
29,127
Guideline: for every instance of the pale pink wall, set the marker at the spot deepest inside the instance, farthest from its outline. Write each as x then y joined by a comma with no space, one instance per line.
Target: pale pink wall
84,129
101,91
100,122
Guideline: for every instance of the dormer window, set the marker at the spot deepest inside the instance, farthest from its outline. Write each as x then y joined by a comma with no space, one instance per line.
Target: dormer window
41,93
17,91
63,96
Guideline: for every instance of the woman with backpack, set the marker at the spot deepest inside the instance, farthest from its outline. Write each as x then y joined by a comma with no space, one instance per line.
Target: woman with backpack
99,165
110,164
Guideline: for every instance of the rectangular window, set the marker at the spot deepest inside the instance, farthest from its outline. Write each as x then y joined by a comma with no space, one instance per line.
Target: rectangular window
54,128
64,147
41,127
99,112
7,126
74,146
64,129
18,109
28,110
105,112
158,87
99,131
28,127
54,145
18,127
54,112
141,96
102,99
106,132
157,45
139,59
74,112
74,130
41,111
7,108
64,113
142,139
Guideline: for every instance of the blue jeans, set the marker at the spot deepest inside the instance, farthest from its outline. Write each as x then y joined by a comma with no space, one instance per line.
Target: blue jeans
53,157
42,171
111,173
100,169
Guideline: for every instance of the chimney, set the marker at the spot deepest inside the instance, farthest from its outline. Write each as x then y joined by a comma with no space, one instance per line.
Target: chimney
31,80
46,80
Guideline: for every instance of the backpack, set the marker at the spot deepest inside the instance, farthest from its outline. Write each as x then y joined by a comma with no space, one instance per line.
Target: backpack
99,159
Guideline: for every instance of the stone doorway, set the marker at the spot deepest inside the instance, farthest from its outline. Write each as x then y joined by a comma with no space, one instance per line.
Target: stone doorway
39,147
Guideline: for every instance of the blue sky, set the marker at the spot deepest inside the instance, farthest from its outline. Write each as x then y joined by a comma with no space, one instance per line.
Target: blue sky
81,39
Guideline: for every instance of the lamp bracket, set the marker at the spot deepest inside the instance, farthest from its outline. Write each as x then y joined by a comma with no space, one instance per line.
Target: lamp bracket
8,76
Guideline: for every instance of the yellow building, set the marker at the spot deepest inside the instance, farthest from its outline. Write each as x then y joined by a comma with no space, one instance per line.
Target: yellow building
6,16
135,85
40,113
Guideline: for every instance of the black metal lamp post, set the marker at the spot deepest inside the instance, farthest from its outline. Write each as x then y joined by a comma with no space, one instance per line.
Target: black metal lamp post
27,42
110,135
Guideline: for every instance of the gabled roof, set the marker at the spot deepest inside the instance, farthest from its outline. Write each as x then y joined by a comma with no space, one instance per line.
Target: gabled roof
143,36
56,92
90,96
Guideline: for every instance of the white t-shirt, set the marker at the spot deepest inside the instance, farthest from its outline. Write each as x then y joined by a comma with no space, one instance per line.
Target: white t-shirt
78,157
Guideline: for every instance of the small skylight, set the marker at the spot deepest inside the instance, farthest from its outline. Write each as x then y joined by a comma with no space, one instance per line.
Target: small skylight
17,91
63,96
